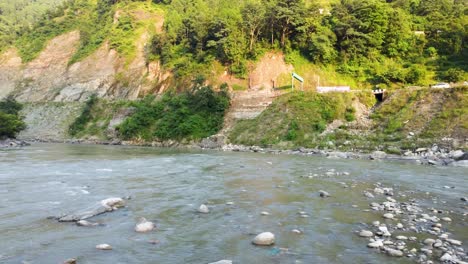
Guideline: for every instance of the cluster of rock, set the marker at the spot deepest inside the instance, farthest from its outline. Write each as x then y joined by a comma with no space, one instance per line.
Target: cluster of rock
400,218
12,143
432,156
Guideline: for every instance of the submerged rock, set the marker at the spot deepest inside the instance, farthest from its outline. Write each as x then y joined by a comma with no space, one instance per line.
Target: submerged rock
264,239
144,226
86,223
203,209
70,261
324,194
224,261
104,247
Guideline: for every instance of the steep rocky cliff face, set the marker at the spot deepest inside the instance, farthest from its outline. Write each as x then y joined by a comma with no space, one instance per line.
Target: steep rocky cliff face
50,78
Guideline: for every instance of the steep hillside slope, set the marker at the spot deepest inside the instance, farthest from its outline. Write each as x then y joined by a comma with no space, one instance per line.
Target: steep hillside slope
407,119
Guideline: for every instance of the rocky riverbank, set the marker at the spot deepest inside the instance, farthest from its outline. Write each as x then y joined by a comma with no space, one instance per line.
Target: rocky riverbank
434,156
12,143
410,230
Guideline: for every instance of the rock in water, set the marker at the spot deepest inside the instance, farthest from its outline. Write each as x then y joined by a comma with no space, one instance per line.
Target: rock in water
113,203
86,223
324,194
375,244
104,247
203,209
107,205
144,226
70,261
366,233
264,239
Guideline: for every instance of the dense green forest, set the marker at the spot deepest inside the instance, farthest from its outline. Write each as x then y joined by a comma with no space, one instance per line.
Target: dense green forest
373,41
16,16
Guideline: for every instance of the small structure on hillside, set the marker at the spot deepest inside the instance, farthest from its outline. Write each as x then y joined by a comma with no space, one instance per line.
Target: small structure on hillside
299,78
379,94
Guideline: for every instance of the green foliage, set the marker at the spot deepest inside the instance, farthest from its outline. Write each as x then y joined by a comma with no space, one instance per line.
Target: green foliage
190,115
11,122
297,118
368,40
453,75
86,115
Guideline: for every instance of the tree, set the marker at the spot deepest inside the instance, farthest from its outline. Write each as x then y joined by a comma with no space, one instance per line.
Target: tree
11,122
253,16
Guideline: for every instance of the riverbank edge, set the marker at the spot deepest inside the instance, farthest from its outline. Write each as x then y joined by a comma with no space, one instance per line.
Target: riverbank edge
458,158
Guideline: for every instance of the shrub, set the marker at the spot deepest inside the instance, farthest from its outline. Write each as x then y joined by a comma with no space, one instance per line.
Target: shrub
11,122
189,115
86,115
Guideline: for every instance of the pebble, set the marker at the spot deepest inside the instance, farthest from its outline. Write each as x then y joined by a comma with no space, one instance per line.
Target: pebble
203,209
376,223
378,190
104,247
70,261
366,233
324,194
394,252
399,225
426,251
388,216
368,195
446,257
454,242
446,219
443,236
264,239
402,238
464,199
375,244
144,226
429,241
230,203
265,213
384,231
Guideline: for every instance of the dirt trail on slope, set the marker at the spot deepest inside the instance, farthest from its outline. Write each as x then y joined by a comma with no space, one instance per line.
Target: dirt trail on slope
264,76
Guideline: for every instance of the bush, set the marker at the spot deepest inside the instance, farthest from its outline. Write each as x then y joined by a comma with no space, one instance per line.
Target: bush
11,122
85,116
453,75
190,115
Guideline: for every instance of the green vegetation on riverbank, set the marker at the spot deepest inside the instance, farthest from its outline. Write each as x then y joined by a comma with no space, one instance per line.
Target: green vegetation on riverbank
298,119
11,122
190,115
408,119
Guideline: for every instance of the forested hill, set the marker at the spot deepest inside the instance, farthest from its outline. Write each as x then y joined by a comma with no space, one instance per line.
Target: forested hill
372,41
16,16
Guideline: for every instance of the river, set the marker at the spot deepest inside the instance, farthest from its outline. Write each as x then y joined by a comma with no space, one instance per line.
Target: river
167,186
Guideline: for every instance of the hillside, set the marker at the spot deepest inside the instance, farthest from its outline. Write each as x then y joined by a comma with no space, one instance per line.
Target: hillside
124,52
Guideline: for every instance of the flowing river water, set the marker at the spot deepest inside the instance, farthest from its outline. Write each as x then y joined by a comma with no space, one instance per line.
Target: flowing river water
167,186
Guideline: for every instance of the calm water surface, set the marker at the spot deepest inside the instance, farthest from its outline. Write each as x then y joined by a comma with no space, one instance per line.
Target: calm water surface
167,186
